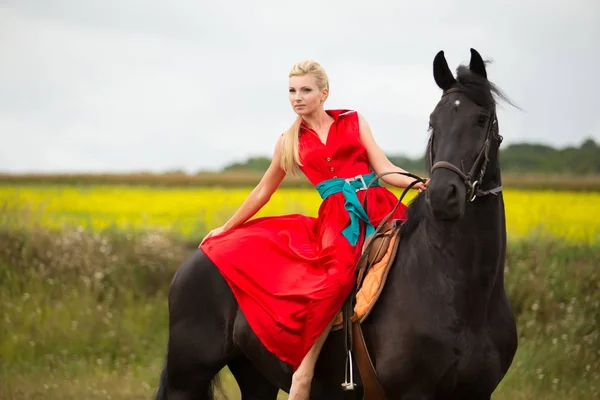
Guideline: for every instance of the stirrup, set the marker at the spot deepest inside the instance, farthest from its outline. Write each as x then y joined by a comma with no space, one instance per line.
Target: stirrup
347,386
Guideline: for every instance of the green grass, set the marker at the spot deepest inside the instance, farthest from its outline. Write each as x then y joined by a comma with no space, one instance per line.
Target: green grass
83,315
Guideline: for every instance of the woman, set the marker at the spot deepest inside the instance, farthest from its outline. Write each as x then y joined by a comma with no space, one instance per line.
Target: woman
291,274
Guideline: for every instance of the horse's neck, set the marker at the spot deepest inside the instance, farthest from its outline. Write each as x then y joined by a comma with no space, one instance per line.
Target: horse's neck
469,253
484,219
477,236
478,248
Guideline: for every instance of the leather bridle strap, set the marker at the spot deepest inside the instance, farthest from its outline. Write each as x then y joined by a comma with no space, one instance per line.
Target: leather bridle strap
472,180
451,167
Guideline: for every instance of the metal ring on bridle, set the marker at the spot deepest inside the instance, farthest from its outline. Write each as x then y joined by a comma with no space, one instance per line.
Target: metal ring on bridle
473,192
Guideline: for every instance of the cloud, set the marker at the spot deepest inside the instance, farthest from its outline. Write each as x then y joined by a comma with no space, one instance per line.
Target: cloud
151,85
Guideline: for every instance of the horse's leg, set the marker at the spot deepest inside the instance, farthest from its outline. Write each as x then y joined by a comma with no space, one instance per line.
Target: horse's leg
253,385
201,314
191,374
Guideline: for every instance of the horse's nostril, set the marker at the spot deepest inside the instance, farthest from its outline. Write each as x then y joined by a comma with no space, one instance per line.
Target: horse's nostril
452,191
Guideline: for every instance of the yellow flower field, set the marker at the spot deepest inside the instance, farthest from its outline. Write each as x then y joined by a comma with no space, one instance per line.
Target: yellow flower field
191,212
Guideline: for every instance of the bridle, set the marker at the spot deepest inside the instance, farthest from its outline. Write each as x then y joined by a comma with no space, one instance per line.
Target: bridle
472,179
473,186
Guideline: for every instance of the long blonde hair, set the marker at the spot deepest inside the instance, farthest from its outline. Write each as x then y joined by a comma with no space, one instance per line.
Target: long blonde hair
290,157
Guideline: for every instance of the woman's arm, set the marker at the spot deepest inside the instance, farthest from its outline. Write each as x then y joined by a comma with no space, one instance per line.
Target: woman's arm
379,160
258,197
261,194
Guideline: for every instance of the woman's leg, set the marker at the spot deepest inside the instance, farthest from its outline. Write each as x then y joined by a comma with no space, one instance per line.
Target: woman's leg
302,378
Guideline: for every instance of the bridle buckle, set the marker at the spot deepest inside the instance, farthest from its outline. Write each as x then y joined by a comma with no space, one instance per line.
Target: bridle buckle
473,191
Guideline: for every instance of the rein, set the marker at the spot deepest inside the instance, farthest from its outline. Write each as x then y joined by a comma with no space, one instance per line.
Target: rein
406,189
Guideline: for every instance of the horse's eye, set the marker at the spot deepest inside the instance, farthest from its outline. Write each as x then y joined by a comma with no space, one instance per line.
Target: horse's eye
482,120
429,128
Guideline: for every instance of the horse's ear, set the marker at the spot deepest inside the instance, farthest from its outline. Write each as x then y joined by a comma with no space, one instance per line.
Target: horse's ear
476,64
441,73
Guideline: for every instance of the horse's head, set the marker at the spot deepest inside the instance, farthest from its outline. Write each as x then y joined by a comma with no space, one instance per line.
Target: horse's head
463,147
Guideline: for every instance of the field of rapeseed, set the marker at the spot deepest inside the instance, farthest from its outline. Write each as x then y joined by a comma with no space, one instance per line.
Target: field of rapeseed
85,270
191,212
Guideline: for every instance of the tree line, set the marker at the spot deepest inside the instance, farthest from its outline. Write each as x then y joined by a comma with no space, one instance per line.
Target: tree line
530,158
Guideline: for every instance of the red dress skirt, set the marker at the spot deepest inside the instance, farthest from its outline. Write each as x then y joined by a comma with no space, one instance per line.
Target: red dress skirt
290,274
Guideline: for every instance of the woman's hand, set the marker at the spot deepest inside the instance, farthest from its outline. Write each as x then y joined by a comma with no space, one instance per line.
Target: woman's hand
421,186
381,163
214,232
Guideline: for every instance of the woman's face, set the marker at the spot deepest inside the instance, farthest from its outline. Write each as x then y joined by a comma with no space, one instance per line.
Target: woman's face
305,96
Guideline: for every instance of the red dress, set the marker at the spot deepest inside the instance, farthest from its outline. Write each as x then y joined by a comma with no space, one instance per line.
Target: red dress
290,274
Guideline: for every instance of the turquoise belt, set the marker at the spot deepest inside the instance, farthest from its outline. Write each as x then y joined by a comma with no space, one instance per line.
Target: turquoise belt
349,187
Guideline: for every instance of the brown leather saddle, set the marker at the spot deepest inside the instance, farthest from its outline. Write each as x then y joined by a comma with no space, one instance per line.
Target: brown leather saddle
378,254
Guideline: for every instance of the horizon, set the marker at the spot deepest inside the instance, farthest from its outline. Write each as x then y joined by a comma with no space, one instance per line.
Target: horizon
258,156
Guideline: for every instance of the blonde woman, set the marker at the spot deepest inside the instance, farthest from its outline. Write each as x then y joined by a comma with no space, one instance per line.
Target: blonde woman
291,274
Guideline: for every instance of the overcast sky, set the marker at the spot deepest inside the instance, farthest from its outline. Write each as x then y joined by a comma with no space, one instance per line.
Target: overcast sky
131,85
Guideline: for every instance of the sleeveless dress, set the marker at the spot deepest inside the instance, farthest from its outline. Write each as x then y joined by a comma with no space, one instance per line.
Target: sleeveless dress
291,274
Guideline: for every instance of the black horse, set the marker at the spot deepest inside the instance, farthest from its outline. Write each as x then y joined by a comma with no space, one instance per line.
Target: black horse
443,327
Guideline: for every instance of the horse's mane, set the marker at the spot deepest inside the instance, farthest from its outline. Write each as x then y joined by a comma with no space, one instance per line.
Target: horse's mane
417,210
478,88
